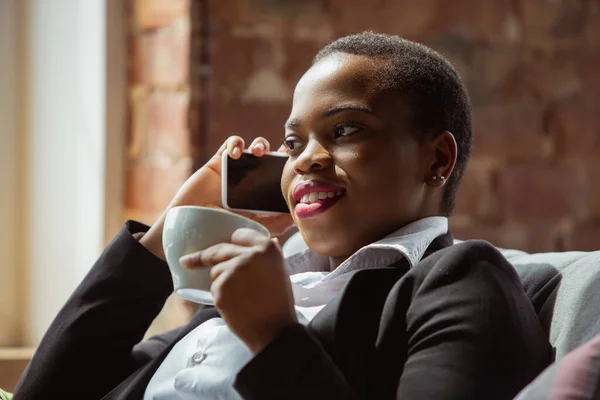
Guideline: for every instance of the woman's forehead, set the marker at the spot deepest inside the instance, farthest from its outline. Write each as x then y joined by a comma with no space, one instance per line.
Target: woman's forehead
343,73
338,78
341,79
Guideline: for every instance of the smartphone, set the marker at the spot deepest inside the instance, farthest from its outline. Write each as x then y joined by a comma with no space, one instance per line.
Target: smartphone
253,184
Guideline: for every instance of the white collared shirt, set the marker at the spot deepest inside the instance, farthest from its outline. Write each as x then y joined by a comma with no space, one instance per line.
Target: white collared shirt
204,364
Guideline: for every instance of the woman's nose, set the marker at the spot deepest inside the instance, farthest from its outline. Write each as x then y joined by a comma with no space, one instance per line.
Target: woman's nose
314,158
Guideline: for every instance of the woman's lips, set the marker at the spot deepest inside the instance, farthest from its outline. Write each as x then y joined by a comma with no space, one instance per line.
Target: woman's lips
310,210
315,197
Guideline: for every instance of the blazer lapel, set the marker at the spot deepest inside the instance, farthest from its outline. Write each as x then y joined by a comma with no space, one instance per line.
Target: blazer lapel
439,243
347,327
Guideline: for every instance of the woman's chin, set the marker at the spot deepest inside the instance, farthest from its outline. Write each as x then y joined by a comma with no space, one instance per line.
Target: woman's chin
327,245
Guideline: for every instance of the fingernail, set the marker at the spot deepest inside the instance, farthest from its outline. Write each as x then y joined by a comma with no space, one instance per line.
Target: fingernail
236,151
260,146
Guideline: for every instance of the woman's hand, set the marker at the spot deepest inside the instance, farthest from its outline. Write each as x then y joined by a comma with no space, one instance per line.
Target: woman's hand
251,288
203,188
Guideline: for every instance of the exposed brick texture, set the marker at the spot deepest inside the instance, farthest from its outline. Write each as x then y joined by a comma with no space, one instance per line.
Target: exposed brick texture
593,188
575,126
160,58
533,237
151,14
539,192
586,238
515,131
154,181
158,146
532,68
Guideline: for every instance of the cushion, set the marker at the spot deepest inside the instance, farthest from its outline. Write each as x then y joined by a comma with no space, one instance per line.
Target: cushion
564,289
576,376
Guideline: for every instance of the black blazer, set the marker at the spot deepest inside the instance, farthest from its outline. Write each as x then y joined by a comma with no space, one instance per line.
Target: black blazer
456,326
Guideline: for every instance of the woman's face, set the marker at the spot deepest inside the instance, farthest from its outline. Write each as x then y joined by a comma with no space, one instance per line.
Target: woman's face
355,172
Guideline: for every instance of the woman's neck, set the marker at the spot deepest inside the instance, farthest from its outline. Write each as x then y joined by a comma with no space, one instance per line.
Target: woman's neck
335,262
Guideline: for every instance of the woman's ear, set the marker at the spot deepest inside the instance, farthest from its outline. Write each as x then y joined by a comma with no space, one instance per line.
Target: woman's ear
444,153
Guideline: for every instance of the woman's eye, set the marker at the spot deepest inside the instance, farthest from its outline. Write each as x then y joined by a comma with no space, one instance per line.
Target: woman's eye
345,130
291,143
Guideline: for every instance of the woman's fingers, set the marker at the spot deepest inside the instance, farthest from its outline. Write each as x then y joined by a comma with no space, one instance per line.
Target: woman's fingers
248,237
222,270
260,146
234,145
211,256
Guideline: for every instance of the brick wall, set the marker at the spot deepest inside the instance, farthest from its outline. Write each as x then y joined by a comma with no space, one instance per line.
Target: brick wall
159,155
532,68
159,149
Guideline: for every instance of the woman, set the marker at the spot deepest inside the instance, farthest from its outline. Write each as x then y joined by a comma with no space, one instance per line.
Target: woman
383,306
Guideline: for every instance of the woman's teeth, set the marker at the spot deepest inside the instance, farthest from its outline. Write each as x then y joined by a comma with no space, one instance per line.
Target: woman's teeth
314,196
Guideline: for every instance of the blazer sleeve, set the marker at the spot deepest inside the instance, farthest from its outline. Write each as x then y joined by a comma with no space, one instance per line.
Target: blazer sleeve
471,331
90,347
461,329
293,366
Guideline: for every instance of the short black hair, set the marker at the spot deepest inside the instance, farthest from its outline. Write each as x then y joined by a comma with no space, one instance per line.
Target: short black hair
428,82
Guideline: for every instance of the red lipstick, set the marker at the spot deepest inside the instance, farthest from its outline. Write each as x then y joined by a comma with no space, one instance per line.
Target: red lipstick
315,197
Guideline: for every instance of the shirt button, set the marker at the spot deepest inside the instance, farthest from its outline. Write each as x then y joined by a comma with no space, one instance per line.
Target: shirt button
198,357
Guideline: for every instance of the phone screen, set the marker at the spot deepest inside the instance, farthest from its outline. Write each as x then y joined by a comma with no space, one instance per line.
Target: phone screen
254,183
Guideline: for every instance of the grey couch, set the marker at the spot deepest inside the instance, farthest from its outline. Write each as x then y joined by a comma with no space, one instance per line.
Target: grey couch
565,291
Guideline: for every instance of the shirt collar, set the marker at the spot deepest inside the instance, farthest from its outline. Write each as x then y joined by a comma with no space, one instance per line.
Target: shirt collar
411,241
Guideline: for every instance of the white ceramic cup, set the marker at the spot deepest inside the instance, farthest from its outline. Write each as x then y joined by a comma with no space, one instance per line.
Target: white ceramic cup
189,229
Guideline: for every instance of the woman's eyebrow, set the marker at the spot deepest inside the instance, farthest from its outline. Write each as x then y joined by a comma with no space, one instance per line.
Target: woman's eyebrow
343,107
294,122
291,123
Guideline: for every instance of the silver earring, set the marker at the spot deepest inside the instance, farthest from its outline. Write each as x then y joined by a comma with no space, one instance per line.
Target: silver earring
442,178
434,178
